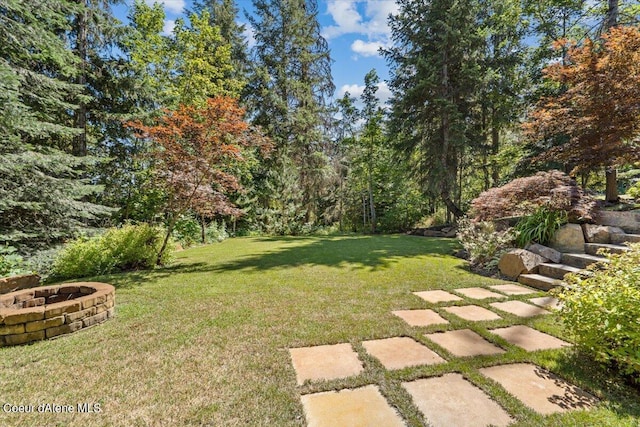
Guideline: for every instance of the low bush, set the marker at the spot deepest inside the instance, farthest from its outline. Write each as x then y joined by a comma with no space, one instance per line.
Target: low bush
129,247
484,242
539,226
523,196
602,310
11,263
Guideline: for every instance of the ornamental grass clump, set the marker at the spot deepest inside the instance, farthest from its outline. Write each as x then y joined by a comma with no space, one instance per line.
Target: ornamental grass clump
540,226
602,310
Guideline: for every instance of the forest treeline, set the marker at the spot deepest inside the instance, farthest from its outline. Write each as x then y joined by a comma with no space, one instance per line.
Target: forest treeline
104,122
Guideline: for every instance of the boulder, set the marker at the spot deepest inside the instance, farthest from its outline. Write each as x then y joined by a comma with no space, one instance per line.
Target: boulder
568,238
545,251
519,261
15,283
433,233
629,221
599,233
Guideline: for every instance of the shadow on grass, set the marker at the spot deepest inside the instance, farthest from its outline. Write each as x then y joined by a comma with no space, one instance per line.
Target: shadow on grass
622,395
355,252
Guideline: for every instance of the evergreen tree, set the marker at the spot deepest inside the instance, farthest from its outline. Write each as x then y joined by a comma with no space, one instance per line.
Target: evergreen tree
41,189
435,75
289,87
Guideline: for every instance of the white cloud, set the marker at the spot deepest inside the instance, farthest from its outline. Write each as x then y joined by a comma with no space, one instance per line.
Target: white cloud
366,48
173,6
167,28
367,18
356,90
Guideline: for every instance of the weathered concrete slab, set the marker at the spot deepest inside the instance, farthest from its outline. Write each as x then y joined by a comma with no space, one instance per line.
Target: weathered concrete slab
464,343
325,362
539,389
519,308
361,407
437,296
401,352
511,289
473,313
420,317
450,400
478,293
528,338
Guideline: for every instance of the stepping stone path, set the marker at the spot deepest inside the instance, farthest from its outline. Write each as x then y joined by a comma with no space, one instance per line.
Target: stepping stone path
420,317
464,343
448,399
519,308
473,313
402,352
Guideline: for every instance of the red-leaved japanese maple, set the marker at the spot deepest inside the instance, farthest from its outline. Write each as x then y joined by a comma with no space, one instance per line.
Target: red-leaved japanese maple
600,110
196,152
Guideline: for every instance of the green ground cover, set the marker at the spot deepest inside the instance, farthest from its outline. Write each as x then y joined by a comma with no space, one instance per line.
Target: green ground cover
205,341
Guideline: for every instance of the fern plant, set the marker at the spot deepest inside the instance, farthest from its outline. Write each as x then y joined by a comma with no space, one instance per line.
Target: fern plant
539,226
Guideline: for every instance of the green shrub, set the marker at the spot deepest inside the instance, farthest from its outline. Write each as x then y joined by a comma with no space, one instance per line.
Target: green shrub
215,232
187,231
129,247
484,242
11,264
603,310
539,226
634,191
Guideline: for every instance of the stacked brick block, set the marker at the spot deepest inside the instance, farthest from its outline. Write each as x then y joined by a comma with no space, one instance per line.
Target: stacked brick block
48,311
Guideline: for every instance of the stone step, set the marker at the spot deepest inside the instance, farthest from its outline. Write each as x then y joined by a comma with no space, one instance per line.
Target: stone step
619,238
581,260
539,281
556,271
593,248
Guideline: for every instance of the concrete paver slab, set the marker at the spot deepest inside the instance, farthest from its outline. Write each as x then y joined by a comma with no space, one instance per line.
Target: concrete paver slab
450,400
519,308
401,352
325,362
539,389
437,296
547,302
361,407
478,293
464,342
528,338
473,313
511,289
420,317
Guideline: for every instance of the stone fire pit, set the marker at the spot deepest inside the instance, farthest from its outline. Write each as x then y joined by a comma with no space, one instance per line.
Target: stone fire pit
48,311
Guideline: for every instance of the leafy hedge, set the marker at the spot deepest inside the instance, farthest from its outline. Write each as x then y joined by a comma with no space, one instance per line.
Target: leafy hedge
603,311
129,247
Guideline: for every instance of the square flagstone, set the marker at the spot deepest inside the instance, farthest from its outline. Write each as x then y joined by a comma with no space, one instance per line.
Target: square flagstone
528,338
539,389
401,352
437,296
511,289
361,407
463,343
420,317
450,400
325,362
478,293
519,308
473,313
547,302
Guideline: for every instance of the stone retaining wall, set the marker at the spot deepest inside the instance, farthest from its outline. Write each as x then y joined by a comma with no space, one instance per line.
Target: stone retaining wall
15,283
48,311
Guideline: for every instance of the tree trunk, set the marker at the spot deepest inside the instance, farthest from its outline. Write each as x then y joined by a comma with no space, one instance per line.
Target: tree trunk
612,15
203,231
372,207
165,242
80,119
612,184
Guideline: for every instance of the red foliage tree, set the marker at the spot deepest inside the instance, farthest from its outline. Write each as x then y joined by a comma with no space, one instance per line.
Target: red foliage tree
197,152
600,110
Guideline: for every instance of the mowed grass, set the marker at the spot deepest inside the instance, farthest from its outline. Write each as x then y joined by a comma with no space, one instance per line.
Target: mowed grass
205,341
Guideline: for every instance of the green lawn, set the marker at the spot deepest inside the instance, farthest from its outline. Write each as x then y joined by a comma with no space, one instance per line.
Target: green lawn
204,342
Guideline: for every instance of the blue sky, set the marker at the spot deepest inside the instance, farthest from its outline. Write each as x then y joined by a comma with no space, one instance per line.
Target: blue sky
354,29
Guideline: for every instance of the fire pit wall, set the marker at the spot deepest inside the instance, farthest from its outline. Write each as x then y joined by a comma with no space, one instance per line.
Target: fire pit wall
48,311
